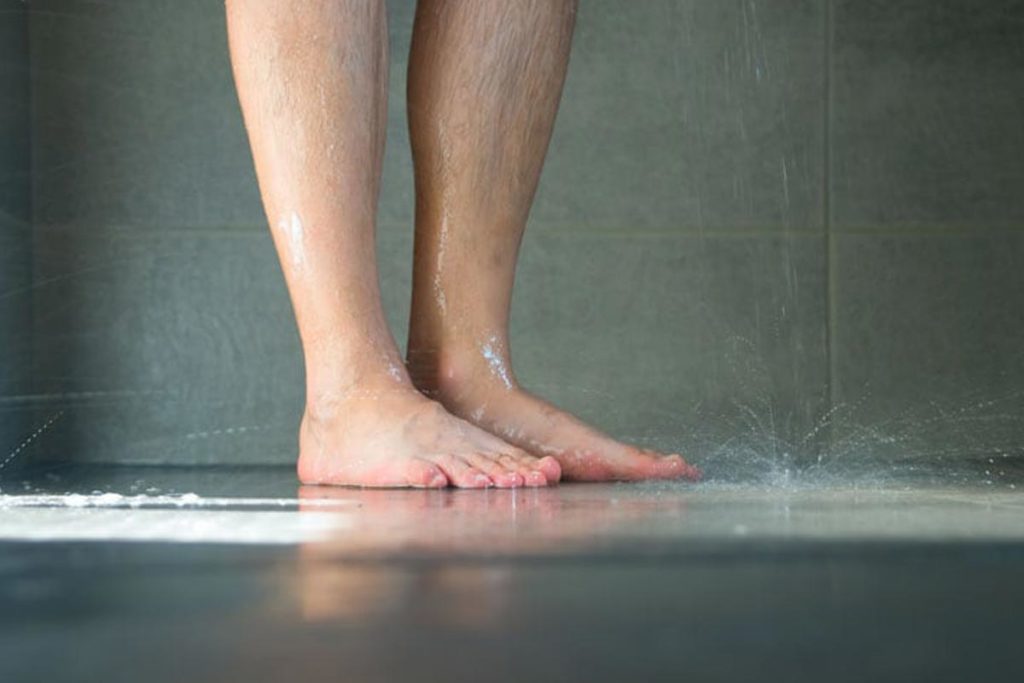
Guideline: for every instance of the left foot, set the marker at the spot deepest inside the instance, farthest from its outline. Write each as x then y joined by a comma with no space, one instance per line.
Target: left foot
480,388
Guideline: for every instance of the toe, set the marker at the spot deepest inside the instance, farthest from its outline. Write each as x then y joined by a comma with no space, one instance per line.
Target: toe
525,466
502,476
674,467
551,469
423,474
691,472
477,479
460,473
533,478
546,465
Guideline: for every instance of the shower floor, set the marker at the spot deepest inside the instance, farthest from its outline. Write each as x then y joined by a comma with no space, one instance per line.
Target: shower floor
222,574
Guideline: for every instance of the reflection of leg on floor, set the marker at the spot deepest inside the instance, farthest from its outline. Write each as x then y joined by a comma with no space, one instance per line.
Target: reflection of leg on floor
372,522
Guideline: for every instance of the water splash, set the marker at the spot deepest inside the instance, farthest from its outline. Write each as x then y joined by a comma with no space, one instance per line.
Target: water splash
766,438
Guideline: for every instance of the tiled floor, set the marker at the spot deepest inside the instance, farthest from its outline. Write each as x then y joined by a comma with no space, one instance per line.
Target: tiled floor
239,574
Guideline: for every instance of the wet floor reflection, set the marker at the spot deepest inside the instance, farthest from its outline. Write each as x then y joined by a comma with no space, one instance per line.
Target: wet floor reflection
339,579
472,595
492,522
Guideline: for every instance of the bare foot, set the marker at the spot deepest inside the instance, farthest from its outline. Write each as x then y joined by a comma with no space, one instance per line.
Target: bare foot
396,437
488,396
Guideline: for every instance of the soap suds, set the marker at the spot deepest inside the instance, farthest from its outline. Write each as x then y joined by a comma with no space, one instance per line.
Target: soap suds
171,526
184,500
170,518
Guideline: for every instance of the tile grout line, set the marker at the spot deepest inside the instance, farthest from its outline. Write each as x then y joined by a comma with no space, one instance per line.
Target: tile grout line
250,230
389,228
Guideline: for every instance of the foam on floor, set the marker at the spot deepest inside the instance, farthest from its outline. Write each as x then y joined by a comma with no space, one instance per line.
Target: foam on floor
182,518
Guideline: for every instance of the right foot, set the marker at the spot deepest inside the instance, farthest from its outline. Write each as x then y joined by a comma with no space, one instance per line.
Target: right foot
480,388
396,437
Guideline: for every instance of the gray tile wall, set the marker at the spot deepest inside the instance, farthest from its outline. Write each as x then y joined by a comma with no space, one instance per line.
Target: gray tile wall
927,221
15,230
751,209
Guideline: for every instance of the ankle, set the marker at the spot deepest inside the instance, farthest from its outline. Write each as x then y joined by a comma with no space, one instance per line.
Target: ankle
330,388
455,372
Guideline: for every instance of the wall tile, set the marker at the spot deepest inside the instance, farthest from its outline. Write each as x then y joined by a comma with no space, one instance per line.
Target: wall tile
691,115
137,123
166,347
928,348
15,232
712,345
927,114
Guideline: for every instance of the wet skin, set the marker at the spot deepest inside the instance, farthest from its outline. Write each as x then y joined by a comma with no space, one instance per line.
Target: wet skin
485,79
420,445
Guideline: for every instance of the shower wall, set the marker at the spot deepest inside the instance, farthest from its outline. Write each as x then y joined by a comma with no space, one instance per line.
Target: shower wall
927,222
15,231
769,223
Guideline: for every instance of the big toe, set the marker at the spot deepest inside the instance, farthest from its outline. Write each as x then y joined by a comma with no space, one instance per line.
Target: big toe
551,469
525,465
535,471
423,474
673,467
